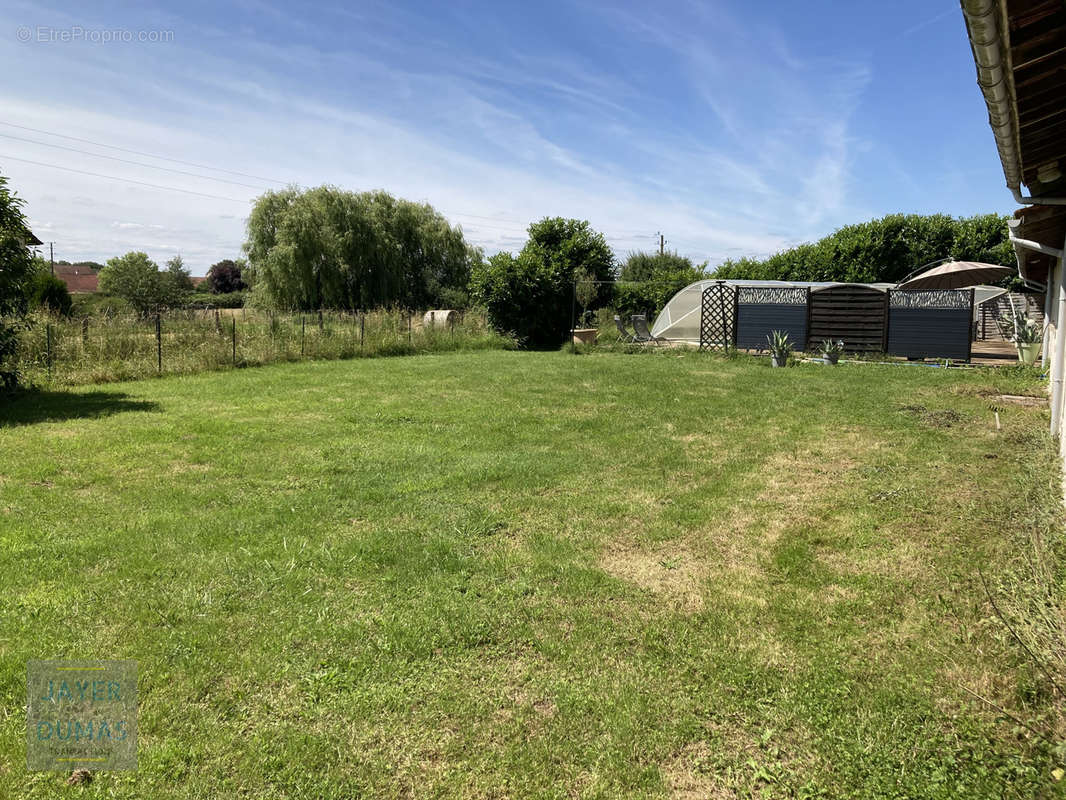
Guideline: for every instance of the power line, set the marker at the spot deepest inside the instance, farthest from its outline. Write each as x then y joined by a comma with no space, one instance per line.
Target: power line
135,163
126,180
142,153
506,221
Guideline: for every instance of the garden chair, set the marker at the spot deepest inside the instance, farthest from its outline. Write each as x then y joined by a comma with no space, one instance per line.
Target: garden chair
623,334
642,334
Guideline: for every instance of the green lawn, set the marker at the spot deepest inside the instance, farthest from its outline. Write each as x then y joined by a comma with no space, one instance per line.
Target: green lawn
510,574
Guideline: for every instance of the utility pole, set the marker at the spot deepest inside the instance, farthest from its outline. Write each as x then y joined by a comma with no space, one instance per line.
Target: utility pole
662,243
51,257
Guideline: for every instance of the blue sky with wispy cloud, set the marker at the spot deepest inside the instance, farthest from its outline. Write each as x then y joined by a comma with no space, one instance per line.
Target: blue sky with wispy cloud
736,128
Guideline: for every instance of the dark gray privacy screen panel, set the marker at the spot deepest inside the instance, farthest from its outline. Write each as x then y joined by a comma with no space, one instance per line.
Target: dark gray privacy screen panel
930,324
762,309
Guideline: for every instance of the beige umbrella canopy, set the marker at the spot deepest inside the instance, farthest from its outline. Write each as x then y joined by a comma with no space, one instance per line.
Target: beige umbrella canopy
957,275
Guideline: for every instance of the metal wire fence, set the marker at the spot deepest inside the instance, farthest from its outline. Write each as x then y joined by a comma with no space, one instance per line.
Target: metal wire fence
62,351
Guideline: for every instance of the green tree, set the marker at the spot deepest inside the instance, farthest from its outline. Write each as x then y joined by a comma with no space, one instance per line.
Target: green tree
135,278
176,281
325,247
225,277
16,269
886,249
647,281
531,295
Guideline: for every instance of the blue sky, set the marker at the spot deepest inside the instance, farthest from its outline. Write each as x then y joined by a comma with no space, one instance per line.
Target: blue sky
736,128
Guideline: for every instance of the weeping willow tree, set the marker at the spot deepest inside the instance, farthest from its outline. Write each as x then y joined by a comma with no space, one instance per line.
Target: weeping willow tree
328,248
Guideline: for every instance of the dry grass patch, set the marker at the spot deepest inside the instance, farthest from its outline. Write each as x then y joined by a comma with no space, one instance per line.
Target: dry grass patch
688,778
671,571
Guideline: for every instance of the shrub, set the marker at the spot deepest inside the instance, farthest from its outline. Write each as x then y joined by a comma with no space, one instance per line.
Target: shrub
647,281
531,295
16,271
98,304
48,292
208,300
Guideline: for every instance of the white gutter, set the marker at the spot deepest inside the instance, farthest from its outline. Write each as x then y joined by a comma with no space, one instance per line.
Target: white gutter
985,19
1029,244
1036,201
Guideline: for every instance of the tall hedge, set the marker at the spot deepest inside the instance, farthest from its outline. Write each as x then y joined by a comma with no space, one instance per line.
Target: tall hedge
885,249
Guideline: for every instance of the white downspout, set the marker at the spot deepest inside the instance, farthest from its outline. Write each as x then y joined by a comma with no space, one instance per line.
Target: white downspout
1047,321
1057,360
1027,244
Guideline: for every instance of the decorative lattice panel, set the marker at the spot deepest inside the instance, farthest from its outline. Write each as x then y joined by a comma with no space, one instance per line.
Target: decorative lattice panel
716,316
930,298
772,295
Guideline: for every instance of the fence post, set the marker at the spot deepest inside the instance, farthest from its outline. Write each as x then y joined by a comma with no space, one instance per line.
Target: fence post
409,336
158,343
48,347
234,341
573,311
362,324
303,334
85,332
320,325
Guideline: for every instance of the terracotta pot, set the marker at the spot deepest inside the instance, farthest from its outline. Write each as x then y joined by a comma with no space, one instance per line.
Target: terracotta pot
585,335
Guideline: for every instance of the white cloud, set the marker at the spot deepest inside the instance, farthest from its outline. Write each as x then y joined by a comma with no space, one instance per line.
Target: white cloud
466,139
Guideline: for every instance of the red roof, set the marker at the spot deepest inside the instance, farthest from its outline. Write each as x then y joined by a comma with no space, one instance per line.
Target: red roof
78,279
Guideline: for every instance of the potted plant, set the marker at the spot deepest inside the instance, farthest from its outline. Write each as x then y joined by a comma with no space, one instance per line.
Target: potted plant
780,347
831,351
1025,333
1027,338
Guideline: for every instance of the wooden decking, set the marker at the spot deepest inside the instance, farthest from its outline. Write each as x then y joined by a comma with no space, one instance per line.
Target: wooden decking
994,354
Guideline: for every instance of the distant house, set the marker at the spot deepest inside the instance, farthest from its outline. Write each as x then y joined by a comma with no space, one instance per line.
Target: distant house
85,279
79,278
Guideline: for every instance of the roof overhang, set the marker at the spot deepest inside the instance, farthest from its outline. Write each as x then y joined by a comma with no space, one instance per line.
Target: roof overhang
1019,48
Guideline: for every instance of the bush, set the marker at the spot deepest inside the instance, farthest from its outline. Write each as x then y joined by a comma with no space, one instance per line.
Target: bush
46,291
98,304
209,300
531,296
16,270
648,280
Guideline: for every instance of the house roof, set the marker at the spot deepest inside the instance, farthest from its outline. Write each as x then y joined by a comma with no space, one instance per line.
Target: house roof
1019,48
78,278
85,282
